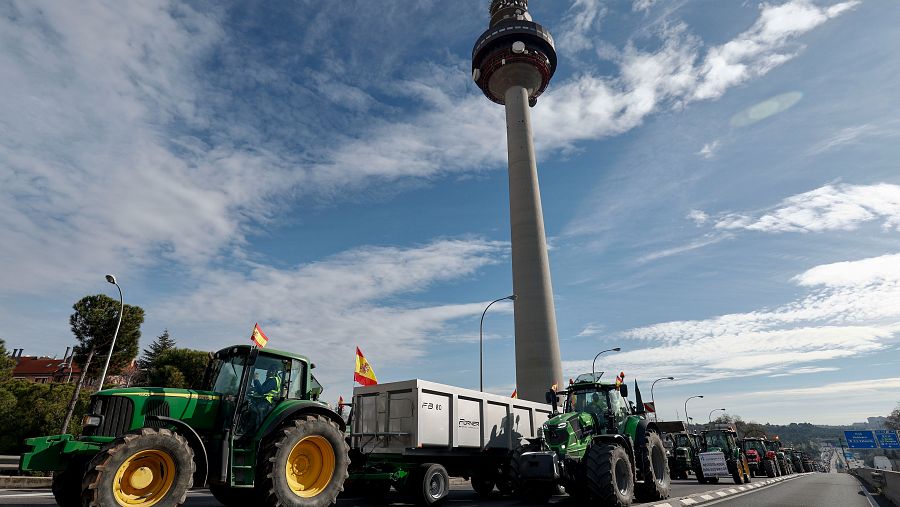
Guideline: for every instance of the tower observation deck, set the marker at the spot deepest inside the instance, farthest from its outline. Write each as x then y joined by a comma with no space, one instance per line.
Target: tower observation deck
513,62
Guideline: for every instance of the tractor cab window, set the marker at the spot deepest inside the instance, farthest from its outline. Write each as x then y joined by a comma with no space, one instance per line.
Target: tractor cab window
297,389
590,400
315,388
682,441
717,440
225,376
755,445
619,407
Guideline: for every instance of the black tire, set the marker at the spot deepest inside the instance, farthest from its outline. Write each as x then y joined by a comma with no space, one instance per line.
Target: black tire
736,472
698,473
770,468
608,474
146,448
430,485
657,484
233,497
321,434
538,493
509,481
66,485
482,483
712,480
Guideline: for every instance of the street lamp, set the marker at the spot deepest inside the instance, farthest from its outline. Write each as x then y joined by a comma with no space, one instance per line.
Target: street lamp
481,342
594,364
688,419
112,279
711,413
652,399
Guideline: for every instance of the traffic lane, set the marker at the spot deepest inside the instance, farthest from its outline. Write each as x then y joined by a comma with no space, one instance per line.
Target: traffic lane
814,490
460,495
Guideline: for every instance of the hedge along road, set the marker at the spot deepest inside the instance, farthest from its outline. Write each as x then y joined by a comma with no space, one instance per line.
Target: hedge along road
461,494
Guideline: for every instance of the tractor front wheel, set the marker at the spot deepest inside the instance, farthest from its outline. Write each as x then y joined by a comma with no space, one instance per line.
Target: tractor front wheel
770,468
142,468
483,483
305,464
657,484
608,474
66,485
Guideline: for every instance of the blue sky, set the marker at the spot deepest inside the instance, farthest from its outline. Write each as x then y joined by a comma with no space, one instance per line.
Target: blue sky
719,181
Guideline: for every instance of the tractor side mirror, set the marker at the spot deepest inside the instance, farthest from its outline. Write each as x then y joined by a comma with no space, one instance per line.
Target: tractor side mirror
553,400
624,390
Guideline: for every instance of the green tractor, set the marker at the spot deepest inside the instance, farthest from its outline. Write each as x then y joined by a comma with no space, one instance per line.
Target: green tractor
256,434
722,438
684,448
600,447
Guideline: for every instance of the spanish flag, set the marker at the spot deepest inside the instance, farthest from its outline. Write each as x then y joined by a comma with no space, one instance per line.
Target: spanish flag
258,337
363,374
515,393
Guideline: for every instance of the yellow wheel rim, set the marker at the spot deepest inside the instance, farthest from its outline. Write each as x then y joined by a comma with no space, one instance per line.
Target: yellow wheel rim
144,478
310,466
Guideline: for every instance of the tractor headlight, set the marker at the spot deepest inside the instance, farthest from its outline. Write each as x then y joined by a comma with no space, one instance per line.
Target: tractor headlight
91,420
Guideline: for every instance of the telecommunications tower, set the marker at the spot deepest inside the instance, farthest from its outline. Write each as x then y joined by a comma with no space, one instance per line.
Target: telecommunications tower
512,63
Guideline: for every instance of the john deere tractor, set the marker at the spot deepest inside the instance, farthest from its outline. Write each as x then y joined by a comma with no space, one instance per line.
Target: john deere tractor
684,448
256,434
723,438
599,448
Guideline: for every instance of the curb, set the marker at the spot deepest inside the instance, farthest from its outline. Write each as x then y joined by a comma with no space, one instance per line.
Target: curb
718,494
18,482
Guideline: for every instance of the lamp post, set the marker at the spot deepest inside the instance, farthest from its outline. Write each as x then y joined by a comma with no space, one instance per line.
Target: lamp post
688,419
112,279
711,413
594,364
652,399
481,341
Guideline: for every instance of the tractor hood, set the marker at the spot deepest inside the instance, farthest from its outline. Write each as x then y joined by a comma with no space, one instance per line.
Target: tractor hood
130,408
146,392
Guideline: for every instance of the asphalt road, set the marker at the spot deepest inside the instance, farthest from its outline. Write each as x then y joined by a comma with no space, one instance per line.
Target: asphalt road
815,490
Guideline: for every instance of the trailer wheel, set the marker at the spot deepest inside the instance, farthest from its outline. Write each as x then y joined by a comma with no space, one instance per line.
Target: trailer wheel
305,464
66,485
657,483
608,474
429,485
142,468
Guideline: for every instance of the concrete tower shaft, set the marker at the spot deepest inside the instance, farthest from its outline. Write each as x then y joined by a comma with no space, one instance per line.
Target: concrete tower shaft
513,62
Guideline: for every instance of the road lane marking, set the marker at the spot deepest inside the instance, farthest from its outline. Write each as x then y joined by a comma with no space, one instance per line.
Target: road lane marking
721,493
688,501
706,497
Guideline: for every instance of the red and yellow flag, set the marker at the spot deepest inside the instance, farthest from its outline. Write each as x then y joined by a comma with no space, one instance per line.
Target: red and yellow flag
258,337
515,393
363,374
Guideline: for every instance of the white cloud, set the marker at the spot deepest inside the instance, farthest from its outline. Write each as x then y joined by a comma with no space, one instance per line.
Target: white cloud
581,19
855,135
706,240
880,386
699,217
591,329
330,306
642,5
804,371
853,309
709,149
828,208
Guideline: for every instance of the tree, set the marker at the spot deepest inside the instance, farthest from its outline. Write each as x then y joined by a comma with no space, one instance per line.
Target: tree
28,409
163,343
190,364
94,324
7,364
893,420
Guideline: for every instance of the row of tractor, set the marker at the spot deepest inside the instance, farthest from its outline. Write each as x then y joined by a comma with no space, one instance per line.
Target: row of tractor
745,457
257,434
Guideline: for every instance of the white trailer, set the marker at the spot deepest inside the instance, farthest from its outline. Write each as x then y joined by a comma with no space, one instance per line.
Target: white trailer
415,434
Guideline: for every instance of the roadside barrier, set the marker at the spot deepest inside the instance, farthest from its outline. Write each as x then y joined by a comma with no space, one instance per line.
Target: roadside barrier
887,483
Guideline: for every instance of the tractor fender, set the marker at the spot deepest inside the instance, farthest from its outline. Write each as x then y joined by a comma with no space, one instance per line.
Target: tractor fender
200,455
640,433
276,420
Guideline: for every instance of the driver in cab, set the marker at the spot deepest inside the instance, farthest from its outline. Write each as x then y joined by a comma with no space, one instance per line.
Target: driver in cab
271,388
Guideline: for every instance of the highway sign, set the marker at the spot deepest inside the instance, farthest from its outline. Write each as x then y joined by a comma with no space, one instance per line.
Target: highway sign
887,439
860,439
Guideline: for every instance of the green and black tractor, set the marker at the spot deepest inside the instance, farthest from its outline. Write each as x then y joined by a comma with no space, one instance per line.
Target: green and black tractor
599,447
722,438
256,434
685,448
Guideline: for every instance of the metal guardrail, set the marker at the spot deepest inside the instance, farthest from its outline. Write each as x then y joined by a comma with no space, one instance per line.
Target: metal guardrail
887,483
9,463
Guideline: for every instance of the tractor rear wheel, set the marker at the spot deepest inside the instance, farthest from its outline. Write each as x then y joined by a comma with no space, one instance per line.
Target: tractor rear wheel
483,483
770,468
142,468
655,467
304,464
608,474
